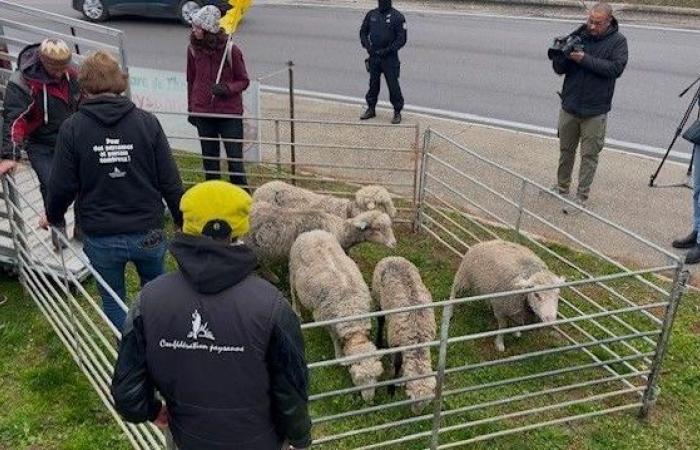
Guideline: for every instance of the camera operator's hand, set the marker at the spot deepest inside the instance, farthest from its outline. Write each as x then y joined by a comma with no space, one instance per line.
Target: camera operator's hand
576,56
7,166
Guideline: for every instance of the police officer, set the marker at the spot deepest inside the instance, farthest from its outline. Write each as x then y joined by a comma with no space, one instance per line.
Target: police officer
382,34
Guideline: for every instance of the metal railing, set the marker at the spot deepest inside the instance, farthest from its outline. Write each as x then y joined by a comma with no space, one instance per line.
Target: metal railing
602,355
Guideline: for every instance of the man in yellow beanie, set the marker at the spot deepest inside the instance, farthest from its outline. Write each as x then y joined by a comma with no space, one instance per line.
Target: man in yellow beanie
221,345
40,95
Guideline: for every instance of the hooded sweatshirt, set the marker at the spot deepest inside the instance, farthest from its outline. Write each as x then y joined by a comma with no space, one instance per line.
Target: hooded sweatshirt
589,85
115,158
36,104
224,349
383,32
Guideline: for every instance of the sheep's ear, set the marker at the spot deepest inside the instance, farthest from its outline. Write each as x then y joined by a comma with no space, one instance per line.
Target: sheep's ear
371,205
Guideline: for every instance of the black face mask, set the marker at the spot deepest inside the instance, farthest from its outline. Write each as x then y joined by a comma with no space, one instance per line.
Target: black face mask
384,5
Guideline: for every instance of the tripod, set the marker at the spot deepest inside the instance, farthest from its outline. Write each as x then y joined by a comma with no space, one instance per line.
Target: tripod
679,130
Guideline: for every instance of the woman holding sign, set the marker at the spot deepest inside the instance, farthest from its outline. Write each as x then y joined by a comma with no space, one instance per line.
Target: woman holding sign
216,79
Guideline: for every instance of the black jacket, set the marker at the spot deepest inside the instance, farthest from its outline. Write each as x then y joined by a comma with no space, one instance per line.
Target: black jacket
383,33
590,84
35,105
224,349
116,159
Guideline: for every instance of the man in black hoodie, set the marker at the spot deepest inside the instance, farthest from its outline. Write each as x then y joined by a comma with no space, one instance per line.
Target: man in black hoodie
115,159
586,98
222,346
383,34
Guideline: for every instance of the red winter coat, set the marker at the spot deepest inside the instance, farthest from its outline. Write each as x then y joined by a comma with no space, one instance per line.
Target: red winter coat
202,66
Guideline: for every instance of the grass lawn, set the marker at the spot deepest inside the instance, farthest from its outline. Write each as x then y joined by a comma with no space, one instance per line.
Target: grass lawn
48,404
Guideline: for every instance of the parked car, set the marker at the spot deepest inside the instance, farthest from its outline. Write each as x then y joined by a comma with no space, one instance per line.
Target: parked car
101,10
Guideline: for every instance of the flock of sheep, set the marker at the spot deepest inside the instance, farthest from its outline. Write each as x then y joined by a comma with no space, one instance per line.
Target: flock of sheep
313,233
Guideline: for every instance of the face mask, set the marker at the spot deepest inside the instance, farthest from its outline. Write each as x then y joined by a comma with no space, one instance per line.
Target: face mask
384,5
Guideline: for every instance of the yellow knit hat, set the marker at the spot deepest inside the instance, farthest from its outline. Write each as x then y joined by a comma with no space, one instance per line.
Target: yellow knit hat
216,206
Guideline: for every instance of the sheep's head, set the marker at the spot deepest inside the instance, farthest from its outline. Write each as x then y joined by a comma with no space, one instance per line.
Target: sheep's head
376,227
365,371
545,303
369,198
423,388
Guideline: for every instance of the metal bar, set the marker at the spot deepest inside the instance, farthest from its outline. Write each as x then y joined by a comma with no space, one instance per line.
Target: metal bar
421,186
567,419
680,279
66,37
497,295
554,227
292,130
542,188
440,378
464,409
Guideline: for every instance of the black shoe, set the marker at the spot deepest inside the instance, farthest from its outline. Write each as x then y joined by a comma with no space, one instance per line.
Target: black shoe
687,242
368,114
693,256
397,118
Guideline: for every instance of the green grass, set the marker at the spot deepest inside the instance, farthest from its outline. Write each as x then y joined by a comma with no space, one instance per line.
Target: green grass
48,403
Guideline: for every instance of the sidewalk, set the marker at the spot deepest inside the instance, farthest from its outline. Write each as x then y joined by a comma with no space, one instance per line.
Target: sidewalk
620,191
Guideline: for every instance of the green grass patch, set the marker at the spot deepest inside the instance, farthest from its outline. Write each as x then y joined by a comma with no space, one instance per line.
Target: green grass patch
50,405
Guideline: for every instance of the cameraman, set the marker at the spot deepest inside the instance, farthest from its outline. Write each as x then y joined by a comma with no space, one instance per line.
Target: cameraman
590,72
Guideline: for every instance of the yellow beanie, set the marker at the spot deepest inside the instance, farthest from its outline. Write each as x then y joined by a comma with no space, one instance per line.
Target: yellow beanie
215,203
56,51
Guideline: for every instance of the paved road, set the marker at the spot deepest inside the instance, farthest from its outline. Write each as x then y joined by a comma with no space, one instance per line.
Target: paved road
488,66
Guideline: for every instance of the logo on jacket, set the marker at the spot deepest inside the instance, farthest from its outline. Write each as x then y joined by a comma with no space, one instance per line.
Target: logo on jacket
116,173
199,329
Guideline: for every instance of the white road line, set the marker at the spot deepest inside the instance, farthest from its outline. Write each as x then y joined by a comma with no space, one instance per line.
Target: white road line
611,144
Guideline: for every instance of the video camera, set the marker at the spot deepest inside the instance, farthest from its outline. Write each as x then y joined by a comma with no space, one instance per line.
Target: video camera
565,45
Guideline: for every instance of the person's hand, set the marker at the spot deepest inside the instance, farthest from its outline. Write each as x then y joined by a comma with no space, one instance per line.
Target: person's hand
576,56
7,166
220,90
163,418
43,223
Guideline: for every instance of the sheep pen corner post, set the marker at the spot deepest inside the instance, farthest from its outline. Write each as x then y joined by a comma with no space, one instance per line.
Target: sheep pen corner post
420,181
651,392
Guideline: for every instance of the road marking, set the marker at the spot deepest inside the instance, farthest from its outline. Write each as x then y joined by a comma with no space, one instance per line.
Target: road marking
567,19
610,144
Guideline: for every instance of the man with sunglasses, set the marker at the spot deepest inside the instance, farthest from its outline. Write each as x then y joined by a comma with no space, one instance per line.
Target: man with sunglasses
590,72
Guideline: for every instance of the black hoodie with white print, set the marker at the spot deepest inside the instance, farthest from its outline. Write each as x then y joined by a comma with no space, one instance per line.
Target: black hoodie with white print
115,160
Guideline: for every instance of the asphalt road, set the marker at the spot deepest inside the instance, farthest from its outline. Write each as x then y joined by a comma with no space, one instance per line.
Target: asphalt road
489,66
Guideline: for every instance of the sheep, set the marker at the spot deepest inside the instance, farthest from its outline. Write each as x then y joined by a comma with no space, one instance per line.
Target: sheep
324,280
273,230
397,283
367,198
500,266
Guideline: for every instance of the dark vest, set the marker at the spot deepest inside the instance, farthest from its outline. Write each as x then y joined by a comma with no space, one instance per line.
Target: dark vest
206,354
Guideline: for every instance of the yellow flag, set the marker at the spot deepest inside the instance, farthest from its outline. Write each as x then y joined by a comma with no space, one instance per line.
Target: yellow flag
234,15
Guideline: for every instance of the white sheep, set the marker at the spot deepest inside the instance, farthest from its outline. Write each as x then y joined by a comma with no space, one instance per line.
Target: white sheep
273,230
500,266
397,284
324,280
367,198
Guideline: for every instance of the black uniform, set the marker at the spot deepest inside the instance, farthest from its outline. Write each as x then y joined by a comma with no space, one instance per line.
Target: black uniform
383,33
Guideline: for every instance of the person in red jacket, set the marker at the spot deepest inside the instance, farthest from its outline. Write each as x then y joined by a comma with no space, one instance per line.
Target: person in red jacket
208,47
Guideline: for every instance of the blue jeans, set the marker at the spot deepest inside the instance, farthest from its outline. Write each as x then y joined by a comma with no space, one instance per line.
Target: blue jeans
109,255
696,191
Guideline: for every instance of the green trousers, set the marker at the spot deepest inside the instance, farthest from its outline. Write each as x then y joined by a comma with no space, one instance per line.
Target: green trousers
590,132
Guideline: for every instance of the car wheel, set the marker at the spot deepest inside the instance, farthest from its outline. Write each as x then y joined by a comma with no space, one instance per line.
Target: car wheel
95,10
186,9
